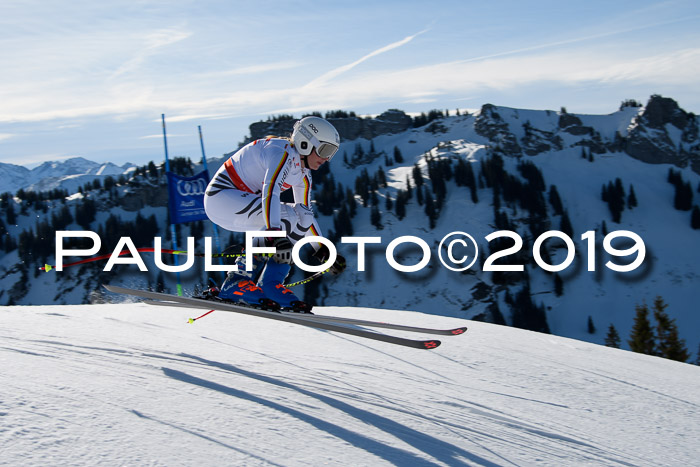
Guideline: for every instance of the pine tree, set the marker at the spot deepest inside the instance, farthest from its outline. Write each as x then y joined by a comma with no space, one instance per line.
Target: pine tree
642,337
612,339
631,198
670,345
380,176
591,326
460,173
417,176
614,195
683,198
430,208
10,213
558,285
374,198
472,192
555,200
152,170
527,315
695,218
565,225
617,203
401,204
673,176
351,202
3,234
376,218
342,223
398,157
359,152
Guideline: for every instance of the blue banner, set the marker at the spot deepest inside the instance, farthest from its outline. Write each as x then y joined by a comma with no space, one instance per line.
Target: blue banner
186,197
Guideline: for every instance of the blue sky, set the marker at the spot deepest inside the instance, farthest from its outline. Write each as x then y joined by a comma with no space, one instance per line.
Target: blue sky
91,80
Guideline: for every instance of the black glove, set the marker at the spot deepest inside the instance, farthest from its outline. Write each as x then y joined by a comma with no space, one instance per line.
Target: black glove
323,254
283,246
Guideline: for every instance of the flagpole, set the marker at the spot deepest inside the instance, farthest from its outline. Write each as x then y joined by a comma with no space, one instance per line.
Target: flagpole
172,225
204,163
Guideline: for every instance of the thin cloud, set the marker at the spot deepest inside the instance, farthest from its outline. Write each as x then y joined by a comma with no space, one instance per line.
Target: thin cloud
576,40
152,43
420,83
504,73
251,70
323,79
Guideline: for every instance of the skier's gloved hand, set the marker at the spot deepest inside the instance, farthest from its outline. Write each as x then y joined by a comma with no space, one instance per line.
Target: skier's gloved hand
338,266
283,245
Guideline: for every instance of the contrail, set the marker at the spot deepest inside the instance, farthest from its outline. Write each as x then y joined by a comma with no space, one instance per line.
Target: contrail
340,70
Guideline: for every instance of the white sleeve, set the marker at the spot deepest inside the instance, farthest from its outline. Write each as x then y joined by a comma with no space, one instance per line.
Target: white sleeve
274,178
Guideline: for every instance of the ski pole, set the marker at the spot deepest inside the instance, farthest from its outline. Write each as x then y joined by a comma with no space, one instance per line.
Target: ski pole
308,279
49,267
192,320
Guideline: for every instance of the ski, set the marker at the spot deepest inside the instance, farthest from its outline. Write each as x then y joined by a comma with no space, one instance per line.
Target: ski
335,319
285,317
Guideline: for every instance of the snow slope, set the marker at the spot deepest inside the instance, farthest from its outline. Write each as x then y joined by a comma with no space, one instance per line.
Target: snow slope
132,384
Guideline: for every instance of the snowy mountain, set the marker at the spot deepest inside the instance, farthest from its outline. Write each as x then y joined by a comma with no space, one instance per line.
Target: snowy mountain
133,384
13,176
557,141
68,174
579,155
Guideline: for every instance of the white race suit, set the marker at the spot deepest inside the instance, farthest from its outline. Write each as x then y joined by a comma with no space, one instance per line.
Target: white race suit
244,194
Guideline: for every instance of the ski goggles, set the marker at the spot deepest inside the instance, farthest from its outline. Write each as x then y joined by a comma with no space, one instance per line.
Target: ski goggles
324,150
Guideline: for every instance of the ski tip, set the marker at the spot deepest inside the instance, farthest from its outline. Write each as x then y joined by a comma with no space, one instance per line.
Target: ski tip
458,331
116,289
431,344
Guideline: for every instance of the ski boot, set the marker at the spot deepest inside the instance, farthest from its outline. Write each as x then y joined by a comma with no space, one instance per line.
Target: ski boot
239,286
271,281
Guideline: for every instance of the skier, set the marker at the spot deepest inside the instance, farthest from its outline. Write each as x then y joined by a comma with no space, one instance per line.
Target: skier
244,195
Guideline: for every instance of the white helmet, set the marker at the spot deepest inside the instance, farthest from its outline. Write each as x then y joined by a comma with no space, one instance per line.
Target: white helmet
315,132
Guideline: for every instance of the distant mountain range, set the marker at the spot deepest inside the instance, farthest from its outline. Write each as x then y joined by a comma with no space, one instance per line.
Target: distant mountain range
67,174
